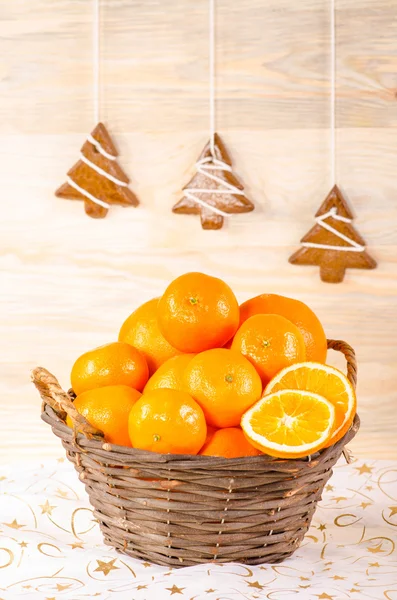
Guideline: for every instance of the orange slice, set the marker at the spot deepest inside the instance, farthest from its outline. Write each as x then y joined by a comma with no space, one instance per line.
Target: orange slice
326,381
289,423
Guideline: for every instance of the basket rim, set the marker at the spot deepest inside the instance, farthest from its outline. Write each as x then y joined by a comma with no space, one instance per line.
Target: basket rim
49,416
57,404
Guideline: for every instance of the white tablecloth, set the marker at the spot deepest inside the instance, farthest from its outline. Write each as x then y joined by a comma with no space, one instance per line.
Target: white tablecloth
51,548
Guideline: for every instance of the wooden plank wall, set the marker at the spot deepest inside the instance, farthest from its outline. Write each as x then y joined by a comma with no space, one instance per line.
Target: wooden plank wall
68,282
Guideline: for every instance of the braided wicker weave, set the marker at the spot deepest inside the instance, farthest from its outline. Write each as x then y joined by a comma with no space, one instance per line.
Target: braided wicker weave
184,510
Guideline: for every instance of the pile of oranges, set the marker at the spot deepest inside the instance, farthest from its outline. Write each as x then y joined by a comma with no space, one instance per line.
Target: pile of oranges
195,373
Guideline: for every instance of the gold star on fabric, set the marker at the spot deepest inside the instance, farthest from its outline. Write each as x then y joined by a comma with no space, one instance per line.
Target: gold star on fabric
146,564
46,508
376,549
336,577
255,584
61,587
61,460
141,587
376,564
324,596
106,567
304,587
329,488
354,590
304,578
61,493
23,544
14,524
364,469
369,488
76,545
175,590
321,527
393,511
365,504
339,499
210,591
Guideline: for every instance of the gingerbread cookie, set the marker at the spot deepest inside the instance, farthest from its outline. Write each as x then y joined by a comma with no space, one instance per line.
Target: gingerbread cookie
96,178
213,192
333,244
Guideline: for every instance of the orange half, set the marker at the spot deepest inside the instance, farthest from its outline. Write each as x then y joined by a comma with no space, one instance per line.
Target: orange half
289,423
326,381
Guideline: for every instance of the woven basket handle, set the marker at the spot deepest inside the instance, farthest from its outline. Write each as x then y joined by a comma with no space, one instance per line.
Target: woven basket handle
52,394
350,356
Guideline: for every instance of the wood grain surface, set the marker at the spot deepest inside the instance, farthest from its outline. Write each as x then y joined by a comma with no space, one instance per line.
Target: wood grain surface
67,281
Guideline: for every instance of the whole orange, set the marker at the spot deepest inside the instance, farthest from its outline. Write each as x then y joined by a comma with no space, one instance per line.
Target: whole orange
170,374
167,421
113,364
141,330
270,342
295,311
224,383
198,312
108,408
229,442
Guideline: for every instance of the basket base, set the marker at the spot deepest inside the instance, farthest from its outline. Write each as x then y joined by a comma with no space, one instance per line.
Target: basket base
178,562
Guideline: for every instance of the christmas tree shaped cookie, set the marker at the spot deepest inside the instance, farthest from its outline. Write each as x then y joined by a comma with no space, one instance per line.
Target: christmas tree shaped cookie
96,178
214,192
333,244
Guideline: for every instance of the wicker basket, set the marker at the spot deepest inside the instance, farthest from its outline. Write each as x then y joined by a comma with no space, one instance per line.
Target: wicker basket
185,510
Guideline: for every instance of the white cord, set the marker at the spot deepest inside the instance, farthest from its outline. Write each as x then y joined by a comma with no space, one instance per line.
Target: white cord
95,58
102,171
333,93
205,166
84,192
209,164
353,245
212,73
98,146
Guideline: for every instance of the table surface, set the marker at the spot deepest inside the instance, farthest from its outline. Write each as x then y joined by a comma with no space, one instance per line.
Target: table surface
51,547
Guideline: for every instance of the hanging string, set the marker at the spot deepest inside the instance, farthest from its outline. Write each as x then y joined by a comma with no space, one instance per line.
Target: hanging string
210,165
212,73
95,58
333,92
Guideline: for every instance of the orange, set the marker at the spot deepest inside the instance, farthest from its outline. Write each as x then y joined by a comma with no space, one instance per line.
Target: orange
224,383
198,312
141,331
108,408
167,421
113,364
229,442
170,374
289,423
295,311
270,342
326,381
